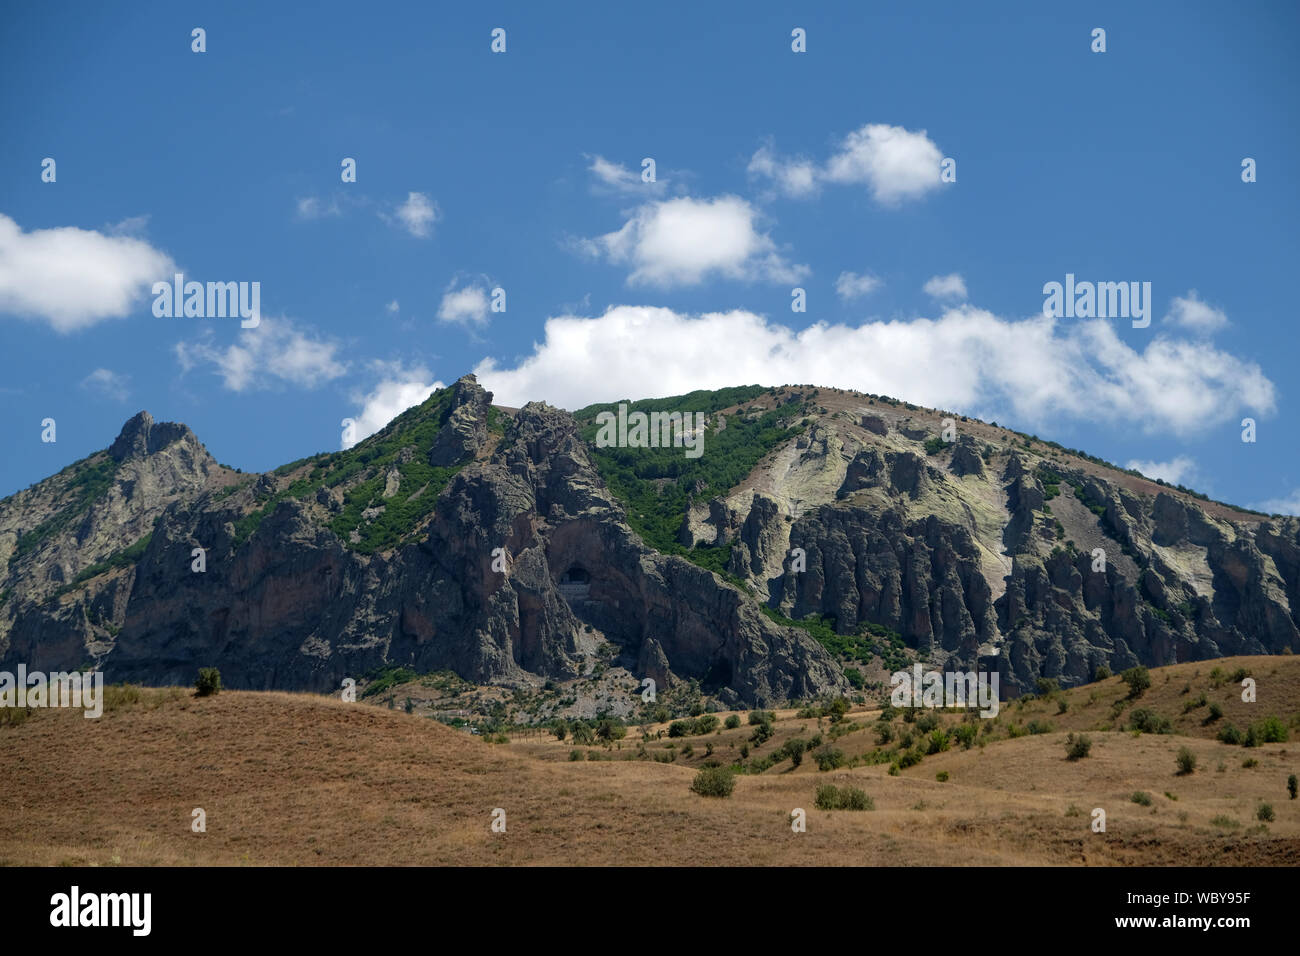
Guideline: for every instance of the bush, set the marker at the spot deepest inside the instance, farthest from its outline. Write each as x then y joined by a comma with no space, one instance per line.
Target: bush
847,798
1037,726
966,734
1076,748
757,717
884,732
1216,711
1186,761
576,754
941,776
794,748
732,722
1229,734
829,758
1291,786
938,741
209,682
1141,798
714,782
1149,722
1265,813
1270,730
1138,680
1102,673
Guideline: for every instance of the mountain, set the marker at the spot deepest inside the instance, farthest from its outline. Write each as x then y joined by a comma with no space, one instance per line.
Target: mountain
822,539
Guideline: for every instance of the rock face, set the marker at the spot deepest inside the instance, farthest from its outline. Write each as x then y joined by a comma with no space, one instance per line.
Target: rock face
476,591
467,538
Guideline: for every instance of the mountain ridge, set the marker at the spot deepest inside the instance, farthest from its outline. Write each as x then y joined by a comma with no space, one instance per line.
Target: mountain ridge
505,545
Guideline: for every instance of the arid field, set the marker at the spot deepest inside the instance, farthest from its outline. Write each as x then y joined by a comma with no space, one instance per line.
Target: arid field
293,779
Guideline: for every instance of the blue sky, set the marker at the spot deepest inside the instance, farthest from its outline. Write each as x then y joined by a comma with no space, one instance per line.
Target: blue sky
774,170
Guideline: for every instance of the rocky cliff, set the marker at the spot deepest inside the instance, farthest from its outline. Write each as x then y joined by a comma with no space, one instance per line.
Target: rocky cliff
821,535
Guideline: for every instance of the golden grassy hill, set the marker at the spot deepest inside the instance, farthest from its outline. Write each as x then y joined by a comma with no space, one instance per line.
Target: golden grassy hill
290,779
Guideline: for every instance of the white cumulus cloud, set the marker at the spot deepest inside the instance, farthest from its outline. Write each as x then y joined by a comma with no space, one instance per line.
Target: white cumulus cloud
72,278
894,163
850,285
273,353
949,288
467,305
1191,313
1288,505
417,215
1037,369
681,242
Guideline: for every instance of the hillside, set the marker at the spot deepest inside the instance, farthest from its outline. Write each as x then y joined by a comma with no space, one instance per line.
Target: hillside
821,540
290,779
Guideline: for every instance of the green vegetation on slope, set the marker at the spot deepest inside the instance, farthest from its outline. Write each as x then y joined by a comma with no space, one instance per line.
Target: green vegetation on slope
90,479
655,484
420,483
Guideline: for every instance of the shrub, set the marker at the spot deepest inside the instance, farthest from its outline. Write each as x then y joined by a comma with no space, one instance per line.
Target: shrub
829,758
761,735
1229,734
1186,761
1265,813
1270,730
966,734
757,717
1062,705
794,749
1239,675
1291,786
843,798
1037,726
927,722
1224,821
941,776
1149,722
884,732
1141,798
576,754
732,721
938,741
1076,748
209,682
1216,711
714,782
1138,680
1249,763
1102,673
1046,685
561,729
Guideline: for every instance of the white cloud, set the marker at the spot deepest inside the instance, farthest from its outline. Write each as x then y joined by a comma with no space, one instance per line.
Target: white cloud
130,226
107,383
893,162
616,177
311,207
417,215
949,288
1191,313
1036,369
683,241
274,352
850,285
796,178
392,306
1180,471
400,389
1290,505
73,278
468,305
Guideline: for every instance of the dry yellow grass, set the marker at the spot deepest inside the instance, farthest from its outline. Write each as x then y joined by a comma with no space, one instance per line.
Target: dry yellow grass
290,779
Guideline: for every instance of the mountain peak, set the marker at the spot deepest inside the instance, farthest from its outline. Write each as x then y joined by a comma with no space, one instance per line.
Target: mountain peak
141,435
